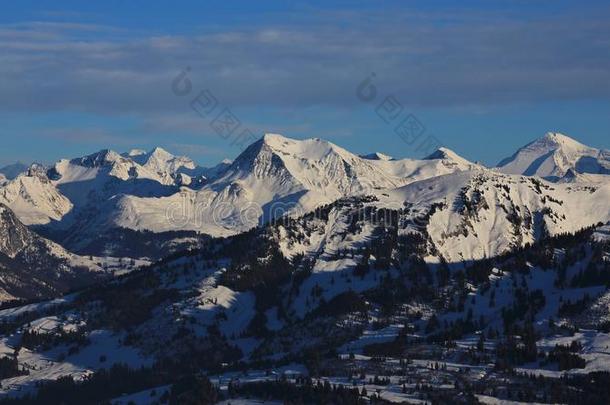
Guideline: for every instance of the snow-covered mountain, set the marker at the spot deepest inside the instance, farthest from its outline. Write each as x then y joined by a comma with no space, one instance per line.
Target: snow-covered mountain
345,279
450,156
472,212
413,261
156,191
474,215
97,186
276,176
167,166
34,198
554,155
81,200
34,267
75,201
156,167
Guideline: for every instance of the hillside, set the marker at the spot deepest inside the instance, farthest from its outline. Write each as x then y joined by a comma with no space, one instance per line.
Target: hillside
241,303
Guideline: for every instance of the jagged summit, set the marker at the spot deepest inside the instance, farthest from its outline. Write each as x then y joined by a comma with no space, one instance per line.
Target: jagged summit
34,198
161,161
160,153
104,157
158,160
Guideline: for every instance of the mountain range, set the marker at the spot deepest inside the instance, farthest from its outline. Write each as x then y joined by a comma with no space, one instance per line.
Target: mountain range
147,205
301,254
81,201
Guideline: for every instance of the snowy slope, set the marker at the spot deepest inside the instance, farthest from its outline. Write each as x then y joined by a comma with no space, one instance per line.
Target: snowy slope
553,155
460,218
480,214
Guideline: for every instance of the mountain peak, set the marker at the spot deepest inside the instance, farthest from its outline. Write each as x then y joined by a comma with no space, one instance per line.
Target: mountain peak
559,139
163,162
275,140
160,152
443,153
553,156
98,159
313,148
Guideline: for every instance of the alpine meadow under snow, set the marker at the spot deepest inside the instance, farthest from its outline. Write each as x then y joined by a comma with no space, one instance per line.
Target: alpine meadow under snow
302,270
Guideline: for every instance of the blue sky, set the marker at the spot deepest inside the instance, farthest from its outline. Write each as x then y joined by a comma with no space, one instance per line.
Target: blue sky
482,79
